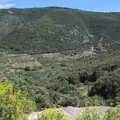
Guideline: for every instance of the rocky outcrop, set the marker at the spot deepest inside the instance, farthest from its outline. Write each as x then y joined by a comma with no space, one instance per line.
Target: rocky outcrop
72,112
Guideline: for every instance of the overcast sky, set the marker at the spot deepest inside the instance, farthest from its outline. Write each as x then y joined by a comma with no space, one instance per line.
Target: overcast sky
94,5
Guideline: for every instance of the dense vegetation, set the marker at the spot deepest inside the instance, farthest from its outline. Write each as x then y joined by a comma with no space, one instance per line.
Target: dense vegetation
60,56
112,114
65,81
88,114
13,104
57,29
53,114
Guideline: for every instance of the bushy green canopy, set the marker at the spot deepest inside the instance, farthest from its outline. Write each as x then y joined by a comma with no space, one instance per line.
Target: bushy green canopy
13,103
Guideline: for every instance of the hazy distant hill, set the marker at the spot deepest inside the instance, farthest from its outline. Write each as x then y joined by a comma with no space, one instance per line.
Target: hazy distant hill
55,29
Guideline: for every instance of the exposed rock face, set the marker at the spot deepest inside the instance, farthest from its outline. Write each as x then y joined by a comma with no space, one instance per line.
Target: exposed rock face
33,116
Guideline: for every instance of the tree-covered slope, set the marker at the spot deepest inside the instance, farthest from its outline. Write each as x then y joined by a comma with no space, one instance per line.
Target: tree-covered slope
64,80
56,29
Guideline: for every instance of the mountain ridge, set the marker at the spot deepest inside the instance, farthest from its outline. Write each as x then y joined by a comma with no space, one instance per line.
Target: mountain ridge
54,29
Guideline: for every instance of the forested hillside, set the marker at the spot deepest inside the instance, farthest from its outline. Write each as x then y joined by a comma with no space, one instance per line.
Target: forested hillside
57,29
59,56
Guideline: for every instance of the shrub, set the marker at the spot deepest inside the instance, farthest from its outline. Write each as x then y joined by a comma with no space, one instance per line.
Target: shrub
27,68
53,114
89,115
107,86
100,114
113,114
14,104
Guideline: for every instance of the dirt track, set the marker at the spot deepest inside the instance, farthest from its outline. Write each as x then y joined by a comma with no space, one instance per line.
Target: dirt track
72,112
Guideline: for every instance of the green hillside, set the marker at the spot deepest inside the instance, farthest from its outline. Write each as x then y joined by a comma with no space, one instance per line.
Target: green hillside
52,55
57,29
64,80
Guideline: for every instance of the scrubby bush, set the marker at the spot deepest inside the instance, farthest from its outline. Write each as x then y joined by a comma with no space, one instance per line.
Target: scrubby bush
107,86
95,113
89,115
13,104
27,68
113,114
53,114
100,114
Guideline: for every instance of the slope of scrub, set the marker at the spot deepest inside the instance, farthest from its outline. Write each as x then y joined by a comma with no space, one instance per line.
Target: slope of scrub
64,80
57,29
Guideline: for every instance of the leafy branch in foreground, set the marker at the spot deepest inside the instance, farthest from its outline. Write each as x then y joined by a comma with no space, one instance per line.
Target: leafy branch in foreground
14,104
